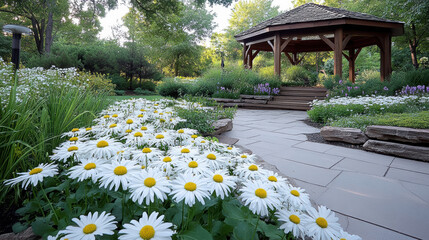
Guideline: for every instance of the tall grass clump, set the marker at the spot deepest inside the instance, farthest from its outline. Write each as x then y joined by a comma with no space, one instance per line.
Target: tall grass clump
31,123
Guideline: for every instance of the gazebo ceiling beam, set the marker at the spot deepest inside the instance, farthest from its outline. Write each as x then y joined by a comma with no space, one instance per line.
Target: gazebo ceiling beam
328,42
283,46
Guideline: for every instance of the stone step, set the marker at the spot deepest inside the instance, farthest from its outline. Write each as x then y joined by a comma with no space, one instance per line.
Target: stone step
398,149
307,89
399,134
300,98
302,93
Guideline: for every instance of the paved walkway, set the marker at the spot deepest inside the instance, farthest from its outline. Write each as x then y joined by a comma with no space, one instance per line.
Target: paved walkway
375,196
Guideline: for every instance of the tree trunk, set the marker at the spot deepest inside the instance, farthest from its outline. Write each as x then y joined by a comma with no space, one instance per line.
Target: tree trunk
38,36
49,27
413,43
176,66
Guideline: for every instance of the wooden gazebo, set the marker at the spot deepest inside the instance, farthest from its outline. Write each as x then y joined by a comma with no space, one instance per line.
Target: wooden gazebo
316,28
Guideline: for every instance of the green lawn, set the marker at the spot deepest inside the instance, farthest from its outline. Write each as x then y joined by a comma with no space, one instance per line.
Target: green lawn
149,97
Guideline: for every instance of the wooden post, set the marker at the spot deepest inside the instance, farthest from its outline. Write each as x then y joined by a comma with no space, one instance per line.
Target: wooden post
250,57
244,55
385,57
277,54
352,75
295,58
338,55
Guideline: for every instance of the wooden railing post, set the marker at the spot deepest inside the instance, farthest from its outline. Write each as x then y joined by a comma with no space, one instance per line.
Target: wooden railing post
338,53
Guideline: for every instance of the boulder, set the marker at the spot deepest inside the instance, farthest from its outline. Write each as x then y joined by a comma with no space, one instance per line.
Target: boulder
222,125
348,135
398,149
25,235
398,134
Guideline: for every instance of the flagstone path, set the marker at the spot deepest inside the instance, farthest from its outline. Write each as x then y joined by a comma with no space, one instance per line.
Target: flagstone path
375,196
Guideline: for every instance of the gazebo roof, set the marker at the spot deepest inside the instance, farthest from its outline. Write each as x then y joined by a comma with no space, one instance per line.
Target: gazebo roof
314,13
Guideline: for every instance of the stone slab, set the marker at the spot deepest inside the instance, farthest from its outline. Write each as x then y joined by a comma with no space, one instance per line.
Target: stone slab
309,157
408,176
398,149
313,146
410,165
353,165
399,134
348,135
380,201
361,155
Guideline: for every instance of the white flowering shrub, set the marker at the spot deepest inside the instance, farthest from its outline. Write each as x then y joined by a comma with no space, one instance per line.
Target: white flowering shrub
334,108
135,175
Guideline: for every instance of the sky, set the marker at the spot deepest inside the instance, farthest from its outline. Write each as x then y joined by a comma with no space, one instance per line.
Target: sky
113,17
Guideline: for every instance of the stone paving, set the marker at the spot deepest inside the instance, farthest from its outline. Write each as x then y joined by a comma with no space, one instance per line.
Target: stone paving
375,196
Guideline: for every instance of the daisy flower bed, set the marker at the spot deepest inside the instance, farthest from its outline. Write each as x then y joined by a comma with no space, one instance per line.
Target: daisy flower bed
335,108
135,175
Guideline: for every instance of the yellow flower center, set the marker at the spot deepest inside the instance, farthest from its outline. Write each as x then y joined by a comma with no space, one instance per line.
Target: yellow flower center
181,131
143,128
138,134
128,131
193,164
130,121
102,144
140,115
146,150
229,148
190,186
243,156
295,219
211,156
142,110
295,193
106,116
72,148
253,167
155,111
343,239
73,139
120,170
75,129
167,159
156,104
194,136
272,179
113,125
88,129
147,232
218,178
203,141
115,115
90,228
261,193
35,171
185,150
159,136
149,182
322,222
161,114
162,120
89,166
143,166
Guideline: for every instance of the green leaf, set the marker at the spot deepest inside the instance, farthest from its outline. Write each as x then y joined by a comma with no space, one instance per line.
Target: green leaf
196,232
244,231
229,209
19,227
41,226
271,231
117,209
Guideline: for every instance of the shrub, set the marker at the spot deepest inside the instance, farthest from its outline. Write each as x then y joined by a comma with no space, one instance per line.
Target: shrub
148,84
120,92
299,76
120,82
172,88
140,91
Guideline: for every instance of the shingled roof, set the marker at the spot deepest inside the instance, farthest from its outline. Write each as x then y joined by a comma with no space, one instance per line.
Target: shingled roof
311,12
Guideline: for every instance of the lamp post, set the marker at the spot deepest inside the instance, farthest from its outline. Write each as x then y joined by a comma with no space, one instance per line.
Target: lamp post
17,32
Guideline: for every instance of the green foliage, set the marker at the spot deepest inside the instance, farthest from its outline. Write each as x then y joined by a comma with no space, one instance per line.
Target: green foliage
412,120
173,88
299,76
120,92
202,120
119,81
140,91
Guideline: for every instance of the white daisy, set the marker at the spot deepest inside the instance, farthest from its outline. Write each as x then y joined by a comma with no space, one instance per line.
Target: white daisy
193,167
90,226
221,184
34,176
147,185
259,197
297,197
245,158
278,182
88,168
161,139
347,236
214,159
148,227
249,171
189,188
292,222
146,155
67,150
323,224
137,138
147,129
184,151
110,129
103,148
118,173
167,164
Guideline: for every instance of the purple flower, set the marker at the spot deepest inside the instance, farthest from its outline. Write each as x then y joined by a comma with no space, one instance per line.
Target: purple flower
340,82
385,88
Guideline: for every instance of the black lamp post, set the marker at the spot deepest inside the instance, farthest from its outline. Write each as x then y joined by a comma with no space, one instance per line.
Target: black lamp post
17,32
